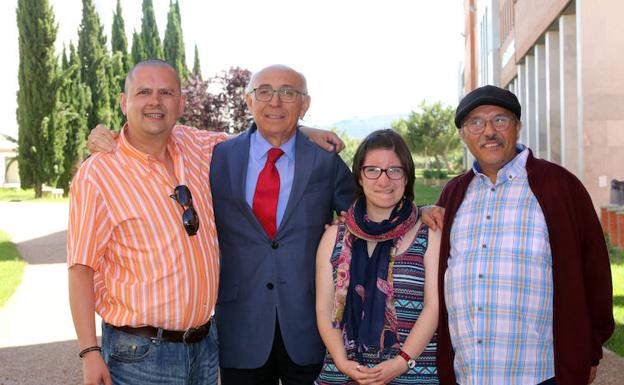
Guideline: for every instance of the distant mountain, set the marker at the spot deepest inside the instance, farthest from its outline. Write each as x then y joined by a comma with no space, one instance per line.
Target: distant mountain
359,127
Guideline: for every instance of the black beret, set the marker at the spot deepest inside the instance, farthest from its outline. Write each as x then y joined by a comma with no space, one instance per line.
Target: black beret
487,95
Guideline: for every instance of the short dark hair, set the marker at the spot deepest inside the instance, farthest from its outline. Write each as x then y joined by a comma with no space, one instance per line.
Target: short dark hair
386,139
150,63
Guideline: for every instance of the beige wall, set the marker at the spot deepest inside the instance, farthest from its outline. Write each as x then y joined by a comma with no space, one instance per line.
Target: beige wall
530,25
602,54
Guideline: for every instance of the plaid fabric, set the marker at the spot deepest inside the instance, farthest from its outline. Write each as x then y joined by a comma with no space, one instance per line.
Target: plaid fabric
498,285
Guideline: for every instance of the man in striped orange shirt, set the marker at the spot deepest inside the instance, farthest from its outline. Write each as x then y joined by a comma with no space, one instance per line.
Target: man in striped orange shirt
142,244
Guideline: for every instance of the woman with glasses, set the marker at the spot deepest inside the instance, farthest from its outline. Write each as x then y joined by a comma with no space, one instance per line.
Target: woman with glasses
376,276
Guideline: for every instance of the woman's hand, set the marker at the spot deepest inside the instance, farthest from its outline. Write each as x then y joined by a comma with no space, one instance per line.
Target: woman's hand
389,370
362,374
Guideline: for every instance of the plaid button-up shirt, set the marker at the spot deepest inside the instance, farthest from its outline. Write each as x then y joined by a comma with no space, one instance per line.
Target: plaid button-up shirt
498,285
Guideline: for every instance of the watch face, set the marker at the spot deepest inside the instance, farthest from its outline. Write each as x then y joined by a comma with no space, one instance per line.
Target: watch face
411,364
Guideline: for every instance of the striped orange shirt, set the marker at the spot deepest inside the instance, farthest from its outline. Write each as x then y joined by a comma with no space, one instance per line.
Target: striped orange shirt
124,225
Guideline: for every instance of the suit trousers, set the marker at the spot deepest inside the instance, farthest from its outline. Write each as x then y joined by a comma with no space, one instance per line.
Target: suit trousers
278,367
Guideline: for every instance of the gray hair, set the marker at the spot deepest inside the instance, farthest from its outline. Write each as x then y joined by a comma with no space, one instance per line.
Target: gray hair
252,80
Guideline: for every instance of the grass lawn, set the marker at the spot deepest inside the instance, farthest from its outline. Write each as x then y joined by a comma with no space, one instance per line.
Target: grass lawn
616,343
28,195
426,195
11,268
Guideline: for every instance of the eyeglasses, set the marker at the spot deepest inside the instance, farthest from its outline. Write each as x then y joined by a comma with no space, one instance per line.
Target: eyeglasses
286,95
477,125
190,220
374,172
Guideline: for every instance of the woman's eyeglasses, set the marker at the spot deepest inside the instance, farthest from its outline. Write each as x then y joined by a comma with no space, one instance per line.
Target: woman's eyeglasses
190,220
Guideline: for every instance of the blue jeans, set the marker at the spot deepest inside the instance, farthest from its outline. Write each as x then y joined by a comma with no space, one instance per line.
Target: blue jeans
134,360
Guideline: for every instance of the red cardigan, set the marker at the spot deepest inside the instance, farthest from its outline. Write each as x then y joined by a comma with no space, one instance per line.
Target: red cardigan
582,292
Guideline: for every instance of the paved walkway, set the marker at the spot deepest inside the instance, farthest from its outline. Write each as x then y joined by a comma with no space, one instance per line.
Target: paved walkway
37,339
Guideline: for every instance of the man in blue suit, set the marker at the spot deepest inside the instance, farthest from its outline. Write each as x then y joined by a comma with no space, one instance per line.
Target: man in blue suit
273,192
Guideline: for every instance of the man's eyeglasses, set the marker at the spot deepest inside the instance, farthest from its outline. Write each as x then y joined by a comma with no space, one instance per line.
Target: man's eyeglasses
477,125
374,172
286,95
190,220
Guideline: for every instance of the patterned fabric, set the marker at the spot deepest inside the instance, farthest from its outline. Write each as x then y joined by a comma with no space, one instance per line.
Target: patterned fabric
369,314
408,272
498,284
124,225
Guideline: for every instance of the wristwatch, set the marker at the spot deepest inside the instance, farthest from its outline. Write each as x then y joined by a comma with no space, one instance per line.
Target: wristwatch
411,363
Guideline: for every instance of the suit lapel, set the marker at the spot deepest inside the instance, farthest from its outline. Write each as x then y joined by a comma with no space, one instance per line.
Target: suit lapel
304,163
237,174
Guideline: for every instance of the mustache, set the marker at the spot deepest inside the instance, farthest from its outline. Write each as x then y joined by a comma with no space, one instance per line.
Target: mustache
494,137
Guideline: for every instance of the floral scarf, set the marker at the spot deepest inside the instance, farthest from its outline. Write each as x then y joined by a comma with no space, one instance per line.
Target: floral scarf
364,296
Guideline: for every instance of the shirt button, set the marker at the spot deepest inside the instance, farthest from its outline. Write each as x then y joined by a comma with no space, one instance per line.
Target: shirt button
484,245
479,341
269,286
274,245
492,189
480,308
488,217
480,275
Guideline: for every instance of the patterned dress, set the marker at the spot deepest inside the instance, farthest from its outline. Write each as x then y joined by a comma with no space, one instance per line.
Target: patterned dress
409,288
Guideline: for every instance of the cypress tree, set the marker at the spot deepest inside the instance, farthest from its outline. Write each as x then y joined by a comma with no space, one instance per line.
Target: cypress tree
138,50
116,75
71,113
36,96
196,65
149,32
174,42
119,42
94,62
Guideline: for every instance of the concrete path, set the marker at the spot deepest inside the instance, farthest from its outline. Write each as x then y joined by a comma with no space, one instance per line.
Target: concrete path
37,339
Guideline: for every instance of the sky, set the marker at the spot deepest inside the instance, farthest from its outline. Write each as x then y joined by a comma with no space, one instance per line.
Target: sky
361,58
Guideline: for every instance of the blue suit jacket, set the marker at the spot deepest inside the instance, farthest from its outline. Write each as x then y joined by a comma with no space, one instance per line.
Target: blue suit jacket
263,279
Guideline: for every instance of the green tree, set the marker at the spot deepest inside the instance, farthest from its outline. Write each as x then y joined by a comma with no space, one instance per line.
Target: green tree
430,133
173,44
74,99
116,76
119,42
149,32
37,78
196,66
138,50
94,65
351,145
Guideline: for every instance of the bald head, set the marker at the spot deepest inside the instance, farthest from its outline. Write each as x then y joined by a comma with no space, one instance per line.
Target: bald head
303,86
154,63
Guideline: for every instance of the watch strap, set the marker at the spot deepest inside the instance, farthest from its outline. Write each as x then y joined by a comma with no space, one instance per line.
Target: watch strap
405,356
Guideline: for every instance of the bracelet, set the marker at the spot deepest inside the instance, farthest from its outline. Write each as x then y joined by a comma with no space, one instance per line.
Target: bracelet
89,349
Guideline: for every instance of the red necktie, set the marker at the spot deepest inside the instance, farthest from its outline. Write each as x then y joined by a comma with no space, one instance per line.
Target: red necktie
267,193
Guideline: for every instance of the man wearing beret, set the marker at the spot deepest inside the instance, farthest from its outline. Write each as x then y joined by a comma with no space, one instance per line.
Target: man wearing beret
525,283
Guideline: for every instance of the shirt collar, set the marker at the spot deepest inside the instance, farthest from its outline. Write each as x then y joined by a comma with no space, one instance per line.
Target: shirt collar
516,168
144,159
260,146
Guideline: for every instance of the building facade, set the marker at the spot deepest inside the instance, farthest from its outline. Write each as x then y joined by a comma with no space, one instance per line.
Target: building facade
564,60
9,173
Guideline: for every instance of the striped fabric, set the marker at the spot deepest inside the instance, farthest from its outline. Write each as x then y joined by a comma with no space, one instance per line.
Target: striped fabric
498,284
124,225
409,290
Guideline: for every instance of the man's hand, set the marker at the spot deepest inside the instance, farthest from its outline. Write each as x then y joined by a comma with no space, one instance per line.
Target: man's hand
101,139
339,219
432,216
592,374
95,369
327,140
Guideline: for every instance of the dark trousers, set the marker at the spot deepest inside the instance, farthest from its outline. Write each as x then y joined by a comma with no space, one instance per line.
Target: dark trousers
278,367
